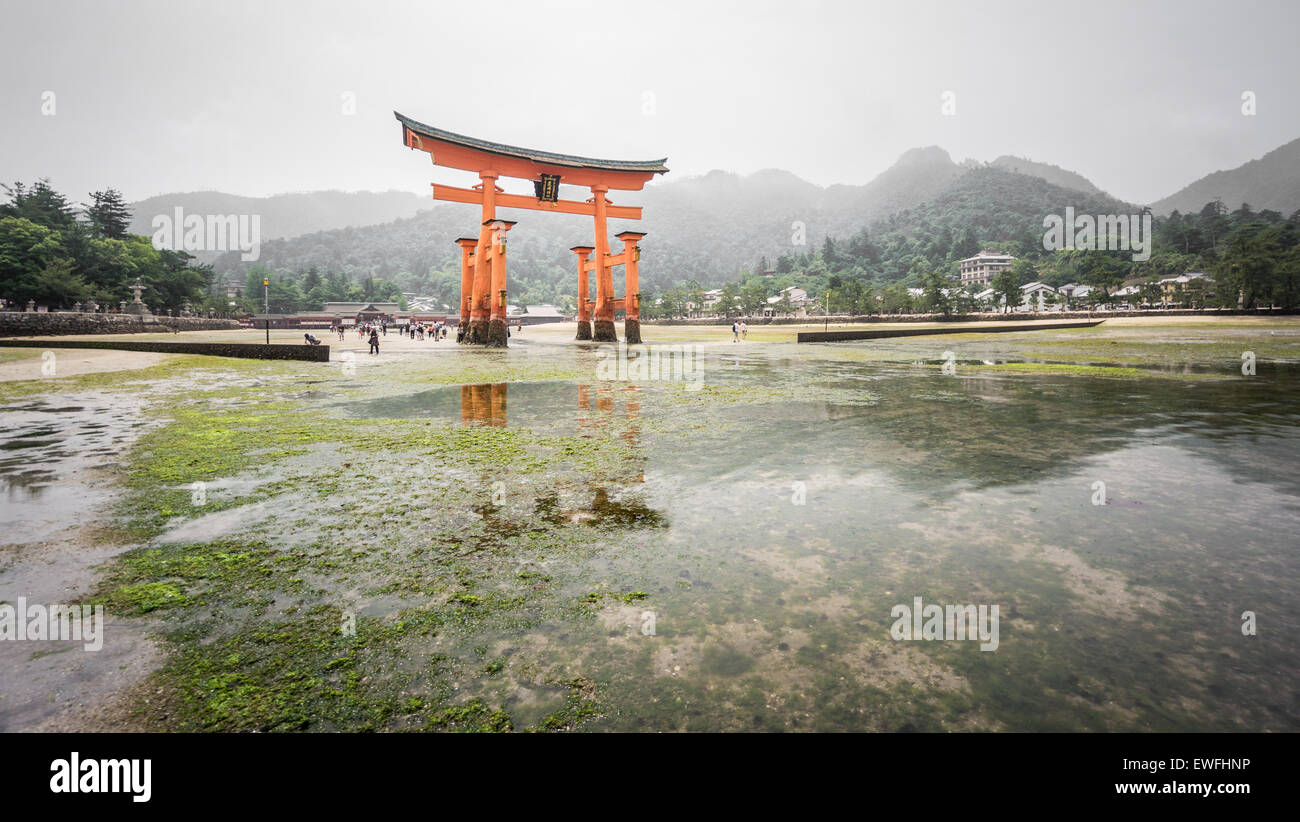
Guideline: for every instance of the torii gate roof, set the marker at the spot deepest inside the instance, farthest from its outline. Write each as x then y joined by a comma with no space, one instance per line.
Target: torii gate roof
472,154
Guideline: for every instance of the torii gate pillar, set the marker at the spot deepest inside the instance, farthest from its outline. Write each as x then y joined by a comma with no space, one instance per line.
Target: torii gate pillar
467,245
484,269
584,292
497,333
602,327
631,288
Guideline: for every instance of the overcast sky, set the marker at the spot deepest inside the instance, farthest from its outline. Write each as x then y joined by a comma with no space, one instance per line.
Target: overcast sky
248,98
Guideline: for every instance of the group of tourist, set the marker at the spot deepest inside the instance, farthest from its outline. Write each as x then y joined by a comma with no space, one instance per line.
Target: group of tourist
415,330
419,331
739,330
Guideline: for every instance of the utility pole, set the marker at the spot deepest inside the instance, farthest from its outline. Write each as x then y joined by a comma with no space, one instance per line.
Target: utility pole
827,325
266,306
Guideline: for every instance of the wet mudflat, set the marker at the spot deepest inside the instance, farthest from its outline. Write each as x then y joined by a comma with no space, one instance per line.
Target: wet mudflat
444,539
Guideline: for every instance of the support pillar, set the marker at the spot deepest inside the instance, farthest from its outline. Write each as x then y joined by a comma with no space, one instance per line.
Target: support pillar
584,291
481,308
466,280
631,286
602,328
498,334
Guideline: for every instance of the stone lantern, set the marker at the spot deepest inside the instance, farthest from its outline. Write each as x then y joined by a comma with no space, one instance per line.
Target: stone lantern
137,305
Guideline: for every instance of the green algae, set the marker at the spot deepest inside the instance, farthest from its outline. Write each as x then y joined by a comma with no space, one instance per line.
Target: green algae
429,604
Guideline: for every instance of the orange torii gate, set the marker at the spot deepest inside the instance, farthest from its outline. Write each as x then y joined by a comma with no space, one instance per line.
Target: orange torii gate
483,259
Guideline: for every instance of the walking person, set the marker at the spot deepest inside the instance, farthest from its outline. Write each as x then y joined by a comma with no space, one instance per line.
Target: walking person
374,341
744,329
735,331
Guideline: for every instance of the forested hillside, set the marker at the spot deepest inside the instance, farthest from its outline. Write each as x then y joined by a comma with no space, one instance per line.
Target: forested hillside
283,215
907,227
1270,183
708,229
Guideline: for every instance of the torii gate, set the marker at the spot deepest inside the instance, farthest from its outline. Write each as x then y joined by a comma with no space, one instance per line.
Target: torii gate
483,260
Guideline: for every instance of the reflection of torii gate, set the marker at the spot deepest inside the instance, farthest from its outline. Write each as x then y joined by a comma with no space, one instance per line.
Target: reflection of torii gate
485,404
483,260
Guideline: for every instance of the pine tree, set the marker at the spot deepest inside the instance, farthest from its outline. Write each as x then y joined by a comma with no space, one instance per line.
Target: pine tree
41,204
109,216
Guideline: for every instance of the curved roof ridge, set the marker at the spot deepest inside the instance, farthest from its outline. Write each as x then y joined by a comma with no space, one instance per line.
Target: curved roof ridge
656,166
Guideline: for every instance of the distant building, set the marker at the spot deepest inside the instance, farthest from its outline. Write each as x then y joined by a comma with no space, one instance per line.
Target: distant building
419,304
362,311
1185,288
1034,295
303,320
232,288
1075,291
1127,296
536,314
920,292
798,298
980,269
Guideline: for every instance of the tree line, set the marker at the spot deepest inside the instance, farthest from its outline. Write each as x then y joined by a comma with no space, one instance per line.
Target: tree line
1253,259
58,254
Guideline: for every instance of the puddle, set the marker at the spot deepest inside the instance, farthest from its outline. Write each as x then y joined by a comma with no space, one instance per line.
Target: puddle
46,453
51,482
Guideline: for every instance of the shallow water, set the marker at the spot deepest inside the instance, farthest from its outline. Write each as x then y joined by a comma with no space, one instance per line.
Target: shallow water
737,568
46,447
788,528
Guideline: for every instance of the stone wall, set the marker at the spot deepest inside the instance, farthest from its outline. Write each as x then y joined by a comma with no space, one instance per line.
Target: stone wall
255,351
39,323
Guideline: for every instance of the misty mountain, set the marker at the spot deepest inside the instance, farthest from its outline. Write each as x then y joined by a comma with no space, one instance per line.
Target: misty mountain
1052,174
921,173
1271,182
284,215
994,205
711,227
